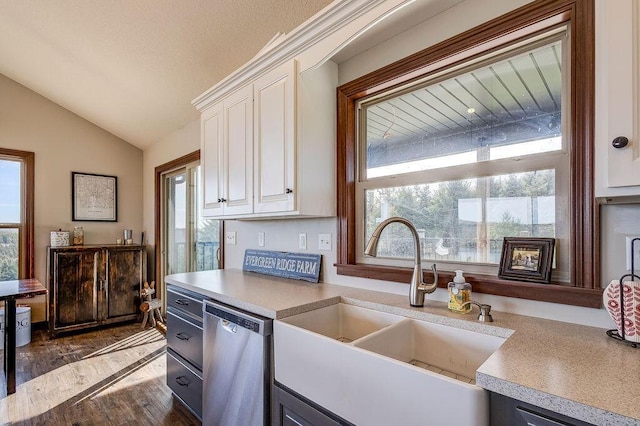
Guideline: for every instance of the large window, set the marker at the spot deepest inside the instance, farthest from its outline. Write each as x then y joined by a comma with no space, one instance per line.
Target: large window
480,155
16,214
484,136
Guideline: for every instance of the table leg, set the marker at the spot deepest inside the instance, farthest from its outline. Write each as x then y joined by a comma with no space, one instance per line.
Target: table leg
10,344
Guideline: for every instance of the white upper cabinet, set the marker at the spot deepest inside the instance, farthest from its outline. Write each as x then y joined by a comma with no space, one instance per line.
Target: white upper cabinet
211,134
268,130
237,166
274,140
617,94
227,153
268,149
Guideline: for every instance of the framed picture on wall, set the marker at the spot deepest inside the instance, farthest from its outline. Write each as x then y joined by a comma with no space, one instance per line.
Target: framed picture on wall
527,259
94,197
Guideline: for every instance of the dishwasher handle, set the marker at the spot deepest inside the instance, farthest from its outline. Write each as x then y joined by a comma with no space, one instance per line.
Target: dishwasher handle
230,327
233,318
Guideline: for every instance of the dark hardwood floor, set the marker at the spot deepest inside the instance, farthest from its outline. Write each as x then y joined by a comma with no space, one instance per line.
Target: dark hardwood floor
112,376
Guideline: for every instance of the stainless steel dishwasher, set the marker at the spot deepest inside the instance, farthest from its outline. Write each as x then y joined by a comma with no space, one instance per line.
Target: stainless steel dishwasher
236,367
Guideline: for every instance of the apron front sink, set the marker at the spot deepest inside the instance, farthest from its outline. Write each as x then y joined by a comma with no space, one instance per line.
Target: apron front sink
373,368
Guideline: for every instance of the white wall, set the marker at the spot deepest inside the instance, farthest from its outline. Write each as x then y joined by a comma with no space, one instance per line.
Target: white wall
63,142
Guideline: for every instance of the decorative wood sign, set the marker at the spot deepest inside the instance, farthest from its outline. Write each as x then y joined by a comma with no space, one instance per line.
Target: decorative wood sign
297,266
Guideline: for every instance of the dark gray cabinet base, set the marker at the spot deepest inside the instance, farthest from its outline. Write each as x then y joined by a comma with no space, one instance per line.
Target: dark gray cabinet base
289,409
185,382
506,411
184,347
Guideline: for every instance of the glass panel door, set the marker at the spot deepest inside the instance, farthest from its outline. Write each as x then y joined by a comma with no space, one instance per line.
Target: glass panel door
176,226
191,242
206,232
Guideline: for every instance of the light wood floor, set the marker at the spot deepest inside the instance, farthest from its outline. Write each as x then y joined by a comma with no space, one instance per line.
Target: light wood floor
113,376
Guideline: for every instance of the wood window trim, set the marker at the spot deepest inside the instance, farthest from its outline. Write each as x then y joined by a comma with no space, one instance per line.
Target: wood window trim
26,244
584,288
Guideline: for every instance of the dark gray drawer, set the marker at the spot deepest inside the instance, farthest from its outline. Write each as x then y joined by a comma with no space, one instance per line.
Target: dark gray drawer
289,410
184,383
184,337
184,301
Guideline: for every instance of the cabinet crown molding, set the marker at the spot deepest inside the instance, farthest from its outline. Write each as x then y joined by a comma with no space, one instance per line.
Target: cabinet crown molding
325,23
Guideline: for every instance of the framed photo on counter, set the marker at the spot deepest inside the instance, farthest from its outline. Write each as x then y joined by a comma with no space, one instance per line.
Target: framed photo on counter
527,259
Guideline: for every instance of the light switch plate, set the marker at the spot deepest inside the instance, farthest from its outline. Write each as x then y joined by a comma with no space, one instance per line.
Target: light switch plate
260,239
231,237
324,242
302,241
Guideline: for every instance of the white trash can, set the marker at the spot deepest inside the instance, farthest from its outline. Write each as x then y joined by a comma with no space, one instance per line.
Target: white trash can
23,325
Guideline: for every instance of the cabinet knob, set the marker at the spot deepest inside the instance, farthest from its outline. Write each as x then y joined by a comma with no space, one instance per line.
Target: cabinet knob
620,142
288,191
219,200
223,200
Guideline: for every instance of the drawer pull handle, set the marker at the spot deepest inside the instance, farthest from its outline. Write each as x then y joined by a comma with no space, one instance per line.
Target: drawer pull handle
183,336
293,420
182,302
183,381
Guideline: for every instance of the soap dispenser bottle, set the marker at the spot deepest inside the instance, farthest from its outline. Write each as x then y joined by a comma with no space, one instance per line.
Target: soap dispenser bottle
459,293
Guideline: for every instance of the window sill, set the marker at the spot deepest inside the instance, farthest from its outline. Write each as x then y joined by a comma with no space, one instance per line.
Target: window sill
554,292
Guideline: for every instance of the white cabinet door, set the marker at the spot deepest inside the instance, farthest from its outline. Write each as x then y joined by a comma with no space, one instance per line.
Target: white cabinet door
274,140
617,92
211,129
238,152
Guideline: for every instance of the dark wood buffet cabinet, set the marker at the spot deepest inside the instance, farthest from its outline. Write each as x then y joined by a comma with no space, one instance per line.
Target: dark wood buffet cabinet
92,285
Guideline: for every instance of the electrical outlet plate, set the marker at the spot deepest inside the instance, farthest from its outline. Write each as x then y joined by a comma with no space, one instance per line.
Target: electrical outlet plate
302,241
260,239
636,255
324,242
231,237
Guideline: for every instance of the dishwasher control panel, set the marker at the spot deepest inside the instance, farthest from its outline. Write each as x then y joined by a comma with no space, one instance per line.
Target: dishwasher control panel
250,323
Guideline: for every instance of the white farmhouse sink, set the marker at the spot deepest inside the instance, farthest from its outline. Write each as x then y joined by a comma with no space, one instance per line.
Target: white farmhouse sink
345,323
393,371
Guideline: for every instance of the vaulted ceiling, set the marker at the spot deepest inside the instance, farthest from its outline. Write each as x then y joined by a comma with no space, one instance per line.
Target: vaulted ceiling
132,67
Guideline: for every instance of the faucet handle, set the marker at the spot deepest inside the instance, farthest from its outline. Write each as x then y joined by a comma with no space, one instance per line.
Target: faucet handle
485,311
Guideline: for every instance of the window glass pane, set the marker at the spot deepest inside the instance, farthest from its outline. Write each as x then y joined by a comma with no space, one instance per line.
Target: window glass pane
510,107
206,234
9,249
176,224
464,220
10,191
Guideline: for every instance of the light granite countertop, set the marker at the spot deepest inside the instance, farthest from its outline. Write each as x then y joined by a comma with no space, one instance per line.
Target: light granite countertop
570,369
